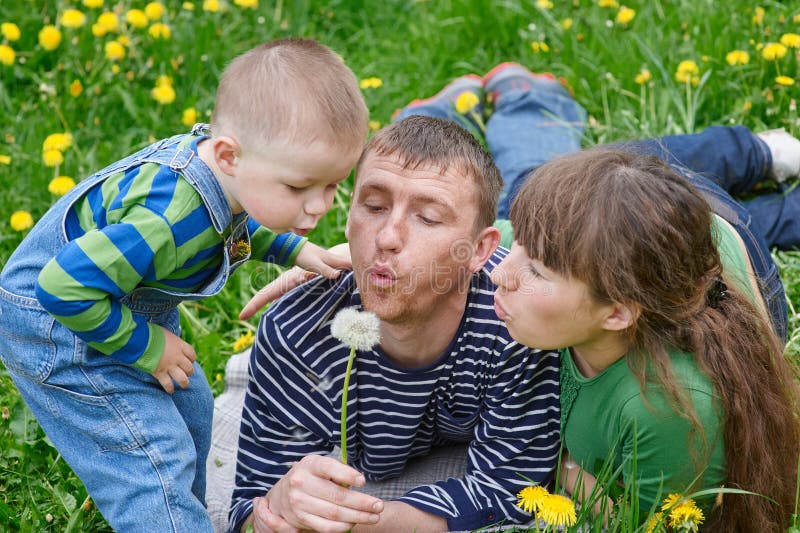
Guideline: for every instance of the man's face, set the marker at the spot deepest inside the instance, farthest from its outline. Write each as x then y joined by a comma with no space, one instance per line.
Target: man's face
412,238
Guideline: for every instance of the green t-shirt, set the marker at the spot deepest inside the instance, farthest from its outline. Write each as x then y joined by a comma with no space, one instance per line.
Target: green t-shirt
607,416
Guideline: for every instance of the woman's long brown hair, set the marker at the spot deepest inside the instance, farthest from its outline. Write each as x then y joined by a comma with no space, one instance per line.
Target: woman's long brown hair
638,234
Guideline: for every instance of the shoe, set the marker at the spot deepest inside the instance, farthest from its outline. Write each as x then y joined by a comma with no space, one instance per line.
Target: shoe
785,151
511,76
449,95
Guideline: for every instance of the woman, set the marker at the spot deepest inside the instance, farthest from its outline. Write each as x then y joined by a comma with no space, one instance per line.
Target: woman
671,368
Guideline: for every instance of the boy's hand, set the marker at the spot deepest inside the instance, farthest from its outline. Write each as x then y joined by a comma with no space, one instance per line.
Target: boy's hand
296,276
322,261
176,364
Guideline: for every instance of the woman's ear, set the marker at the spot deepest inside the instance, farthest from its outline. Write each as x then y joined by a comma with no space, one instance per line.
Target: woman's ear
621,317
226,154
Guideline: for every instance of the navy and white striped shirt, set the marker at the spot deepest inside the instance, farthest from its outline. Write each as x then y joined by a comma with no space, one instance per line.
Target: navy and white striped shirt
485,389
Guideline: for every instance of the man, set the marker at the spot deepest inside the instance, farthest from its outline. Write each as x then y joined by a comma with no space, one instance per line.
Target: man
446,370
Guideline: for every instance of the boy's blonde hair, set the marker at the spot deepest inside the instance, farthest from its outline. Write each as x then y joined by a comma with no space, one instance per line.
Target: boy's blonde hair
294,90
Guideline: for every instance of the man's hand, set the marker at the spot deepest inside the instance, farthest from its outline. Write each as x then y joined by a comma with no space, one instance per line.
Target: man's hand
312,495
339,254
177,363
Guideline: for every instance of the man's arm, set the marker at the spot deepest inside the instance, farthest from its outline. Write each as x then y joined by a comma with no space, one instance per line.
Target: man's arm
284,438
517,435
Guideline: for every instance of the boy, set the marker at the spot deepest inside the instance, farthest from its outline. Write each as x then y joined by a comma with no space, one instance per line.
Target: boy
88,319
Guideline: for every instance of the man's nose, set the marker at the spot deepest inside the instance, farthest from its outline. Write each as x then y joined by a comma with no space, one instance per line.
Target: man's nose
391,233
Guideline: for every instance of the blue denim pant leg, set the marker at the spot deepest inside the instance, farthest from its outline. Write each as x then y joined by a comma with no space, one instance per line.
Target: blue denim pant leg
731,157
127,439
527,129
765,269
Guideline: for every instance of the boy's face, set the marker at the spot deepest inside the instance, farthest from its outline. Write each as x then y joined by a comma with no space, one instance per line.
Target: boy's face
288,186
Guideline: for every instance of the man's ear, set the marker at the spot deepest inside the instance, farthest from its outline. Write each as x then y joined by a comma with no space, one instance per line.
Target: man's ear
621,317
226,153
485,244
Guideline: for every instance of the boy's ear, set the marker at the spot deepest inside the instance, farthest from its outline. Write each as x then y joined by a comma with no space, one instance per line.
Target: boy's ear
621,317
226,153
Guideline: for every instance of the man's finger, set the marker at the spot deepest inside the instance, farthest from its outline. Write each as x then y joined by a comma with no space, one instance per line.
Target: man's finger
275,289
166,383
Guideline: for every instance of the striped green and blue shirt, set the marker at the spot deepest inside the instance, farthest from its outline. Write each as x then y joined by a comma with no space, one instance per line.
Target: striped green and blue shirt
146,226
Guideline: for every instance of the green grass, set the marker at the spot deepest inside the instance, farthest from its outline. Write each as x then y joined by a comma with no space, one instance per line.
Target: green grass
414,47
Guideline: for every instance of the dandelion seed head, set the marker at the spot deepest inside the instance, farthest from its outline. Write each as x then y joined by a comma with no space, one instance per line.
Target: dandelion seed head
356,329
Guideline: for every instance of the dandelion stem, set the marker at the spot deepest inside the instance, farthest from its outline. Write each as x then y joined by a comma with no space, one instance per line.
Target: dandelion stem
345,388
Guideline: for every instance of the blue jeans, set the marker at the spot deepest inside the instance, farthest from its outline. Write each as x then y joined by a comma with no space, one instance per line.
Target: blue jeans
140,452
528,128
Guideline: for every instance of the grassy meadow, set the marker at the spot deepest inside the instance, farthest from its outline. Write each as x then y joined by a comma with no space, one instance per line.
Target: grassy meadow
116,74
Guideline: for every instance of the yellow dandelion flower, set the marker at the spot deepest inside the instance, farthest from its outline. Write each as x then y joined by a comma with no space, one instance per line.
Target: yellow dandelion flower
114,51
758,17
737,57
566,24
75,88
607,3
160,31
530,498
540,46
246,4
796,19
686,516
466,102
10,31
557,510
773,51
747,106
98,30
687,71
124,40
52,158
115,69
163,80
374,125
244,341
57,141
670,501
5,159
49,37
61,185
109,22
154,10
784,80
643,77
188,6
370,83
544,4
211,5
189,116
7,55
163,94
654,521
790,40
72,18
21,220
93,4
136,18
625,15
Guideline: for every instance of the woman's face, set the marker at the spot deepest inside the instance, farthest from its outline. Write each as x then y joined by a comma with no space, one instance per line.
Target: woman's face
543,309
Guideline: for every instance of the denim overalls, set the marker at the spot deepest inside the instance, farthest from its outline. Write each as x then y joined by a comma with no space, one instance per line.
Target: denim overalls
140,452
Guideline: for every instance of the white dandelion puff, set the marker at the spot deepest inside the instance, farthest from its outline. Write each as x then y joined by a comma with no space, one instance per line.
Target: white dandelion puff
359,330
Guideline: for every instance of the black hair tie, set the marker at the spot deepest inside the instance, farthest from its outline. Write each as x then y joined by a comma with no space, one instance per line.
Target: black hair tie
717,293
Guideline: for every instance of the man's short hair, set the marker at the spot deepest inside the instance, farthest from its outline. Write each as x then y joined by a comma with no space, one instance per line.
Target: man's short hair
420,141
291,89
